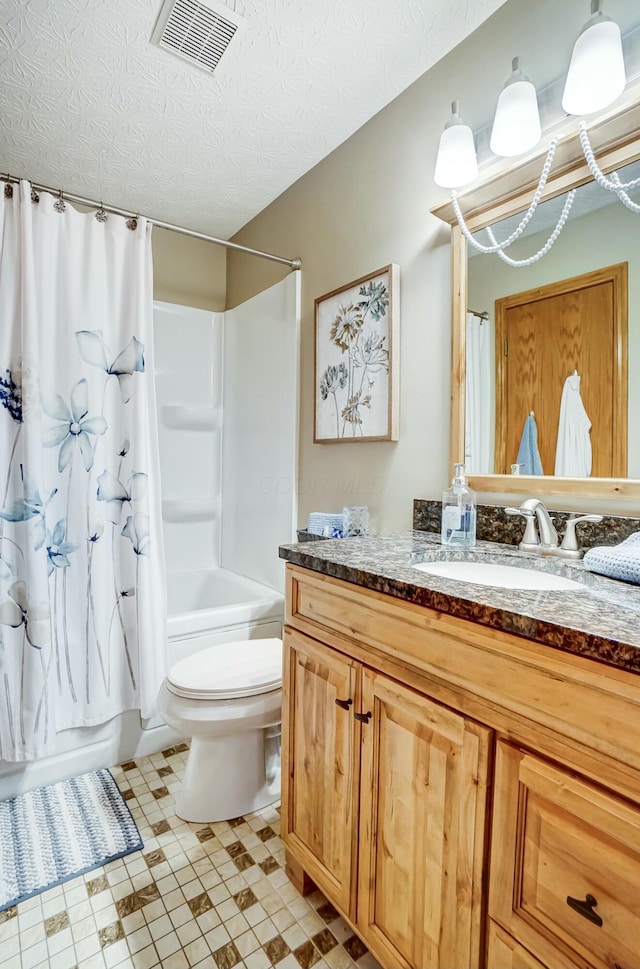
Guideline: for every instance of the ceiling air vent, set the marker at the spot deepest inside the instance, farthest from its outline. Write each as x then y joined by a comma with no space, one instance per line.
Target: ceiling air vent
198,31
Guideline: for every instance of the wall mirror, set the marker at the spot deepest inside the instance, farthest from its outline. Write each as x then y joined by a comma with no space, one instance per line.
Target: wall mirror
520,334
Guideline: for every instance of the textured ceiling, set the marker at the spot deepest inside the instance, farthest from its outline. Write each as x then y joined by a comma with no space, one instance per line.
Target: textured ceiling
87,104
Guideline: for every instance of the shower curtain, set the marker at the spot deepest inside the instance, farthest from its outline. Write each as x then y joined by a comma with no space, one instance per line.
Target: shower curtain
82,600
478,405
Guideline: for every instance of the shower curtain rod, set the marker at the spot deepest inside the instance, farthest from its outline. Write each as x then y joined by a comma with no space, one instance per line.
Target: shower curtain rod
483,315
293,263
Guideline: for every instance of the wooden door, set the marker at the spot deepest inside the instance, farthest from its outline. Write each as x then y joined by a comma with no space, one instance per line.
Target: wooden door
565,865
542,337
320,764
422,829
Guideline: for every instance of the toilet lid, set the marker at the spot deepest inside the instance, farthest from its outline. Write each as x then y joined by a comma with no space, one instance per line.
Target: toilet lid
244,668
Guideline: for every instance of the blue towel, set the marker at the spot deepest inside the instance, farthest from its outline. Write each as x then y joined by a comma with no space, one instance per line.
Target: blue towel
528,454
618,561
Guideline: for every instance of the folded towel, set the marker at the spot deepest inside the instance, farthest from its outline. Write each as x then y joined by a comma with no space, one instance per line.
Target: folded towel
618,561
325,523
528,454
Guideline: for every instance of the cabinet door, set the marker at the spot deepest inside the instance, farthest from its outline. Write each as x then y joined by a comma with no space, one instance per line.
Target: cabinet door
422,830
320,764
565,865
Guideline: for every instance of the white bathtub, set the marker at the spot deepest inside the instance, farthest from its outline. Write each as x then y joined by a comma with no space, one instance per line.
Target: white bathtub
215,606
205,608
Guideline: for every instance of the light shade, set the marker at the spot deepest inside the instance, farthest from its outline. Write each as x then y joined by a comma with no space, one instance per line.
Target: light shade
516,126
596,74
456,164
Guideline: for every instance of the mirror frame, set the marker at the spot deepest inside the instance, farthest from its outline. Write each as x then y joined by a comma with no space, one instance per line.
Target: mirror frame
505,191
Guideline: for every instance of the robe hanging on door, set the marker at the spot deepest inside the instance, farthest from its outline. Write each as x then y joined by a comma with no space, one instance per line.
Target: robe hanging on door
573,448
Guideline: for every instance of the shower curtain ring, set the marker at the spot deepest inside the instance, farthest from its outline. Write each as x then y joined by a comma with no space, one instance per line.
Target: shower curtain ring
132,223
8,187
60,205
101,215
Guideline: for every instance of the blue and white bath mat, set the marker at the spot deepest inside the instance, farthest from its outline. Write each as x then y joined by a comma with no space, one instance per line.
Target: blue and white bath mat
55,833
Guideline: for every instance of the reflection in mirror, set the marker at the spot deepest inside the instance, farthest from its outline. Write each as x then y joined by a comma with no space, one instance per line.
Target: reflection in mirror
549,346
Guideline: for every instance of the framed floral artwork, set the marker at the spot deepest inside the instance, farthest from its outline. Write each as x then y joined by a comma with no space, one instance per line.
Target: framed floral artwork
356,360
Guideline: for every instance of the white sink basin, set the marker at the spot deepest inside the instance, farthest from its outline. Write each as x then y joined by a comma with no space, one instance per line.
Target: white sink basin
502,576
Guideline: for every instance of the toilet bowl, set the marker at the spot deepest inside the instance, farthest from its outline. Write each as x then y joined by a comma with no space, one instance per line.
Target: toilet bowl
228,699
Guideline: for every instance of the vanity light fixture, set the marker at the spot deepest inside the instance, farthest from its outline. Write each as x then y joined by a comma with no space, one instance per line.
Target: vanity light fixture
596,78
456,164
516,125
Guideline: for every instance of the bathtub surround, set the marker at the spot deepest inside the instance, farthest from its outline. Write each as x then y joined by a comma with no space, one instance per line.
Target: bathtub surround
82,617
189,367
56,833
260,431
227,387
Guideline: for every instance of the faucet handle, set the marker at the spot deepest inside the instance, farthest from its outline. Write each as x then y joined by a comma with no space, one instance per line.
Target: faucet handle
570,541
530,541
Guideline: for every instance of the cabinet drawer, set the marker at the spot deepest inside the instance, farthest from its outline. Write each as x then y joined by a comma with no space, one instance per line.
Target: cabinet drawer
503,952
565,863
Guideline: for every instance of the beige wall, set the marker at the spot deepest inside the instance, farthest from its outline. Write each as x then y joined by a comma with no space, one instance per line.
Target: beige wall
188,271
364,206
368,204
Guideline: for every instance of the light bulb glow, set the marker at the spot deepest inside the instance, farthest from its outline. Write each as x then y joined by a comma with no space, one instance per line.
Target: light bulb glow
516,126
456,164
596,76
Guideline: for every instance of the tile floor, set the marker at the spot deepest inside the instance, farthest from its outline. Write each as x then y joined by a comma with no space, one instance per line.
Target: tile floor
208,896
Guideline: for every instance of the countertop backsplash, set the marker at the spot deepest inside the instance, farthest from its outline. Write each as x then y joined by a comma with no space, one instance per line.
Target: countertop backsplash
493,525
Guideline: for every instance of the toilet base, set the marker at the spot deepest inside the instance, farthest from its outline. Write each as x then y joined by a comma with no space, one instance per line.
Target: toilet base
225,778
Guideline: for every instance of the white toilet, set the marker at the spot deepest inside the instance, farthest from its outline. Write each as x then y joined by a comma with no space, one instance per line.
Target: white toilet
228,699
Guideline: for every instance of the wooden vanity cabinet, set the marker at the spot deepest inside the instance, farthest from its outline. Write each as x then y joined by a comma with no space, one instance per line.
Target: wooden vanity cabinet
466,798
384,798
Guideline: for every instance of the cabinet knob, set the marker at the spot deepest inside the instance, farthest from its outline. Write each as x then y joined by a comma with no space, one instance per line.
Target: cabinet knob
363,717
585,908
344,704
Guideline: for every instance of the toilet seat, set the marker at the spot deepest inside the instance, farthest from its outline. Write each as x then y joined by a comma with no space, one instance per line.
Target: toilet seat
246,668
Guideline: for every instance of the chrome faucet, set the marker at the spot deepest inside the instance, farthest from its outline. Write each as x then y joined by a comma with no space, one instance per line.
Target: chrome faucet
544,540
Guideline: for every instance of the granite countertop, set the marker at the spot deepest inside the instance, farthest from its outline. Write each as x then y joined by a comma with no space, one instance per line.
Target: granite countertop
602,622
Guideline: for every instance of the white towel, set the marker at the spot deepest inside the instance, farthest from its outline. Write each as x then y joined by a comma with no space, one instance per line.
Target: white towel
573,450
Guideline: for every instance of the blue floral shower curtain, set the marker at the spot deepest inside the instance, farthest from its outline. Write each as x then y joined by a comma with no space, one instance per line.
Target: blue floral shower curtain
82,601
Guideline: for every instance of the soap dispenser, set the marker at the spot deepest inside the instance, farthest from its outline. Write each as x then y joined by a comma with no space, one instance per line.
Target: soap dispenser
459,512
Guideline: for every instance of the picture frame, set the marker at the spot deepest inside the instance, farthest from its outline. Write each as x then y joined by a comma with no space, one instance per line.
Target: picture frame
357,360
